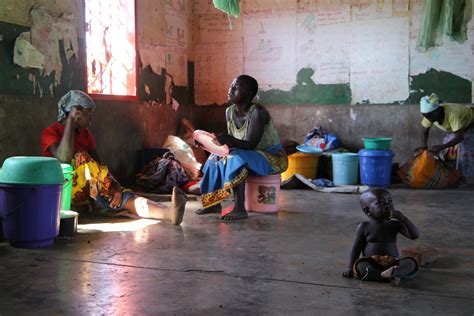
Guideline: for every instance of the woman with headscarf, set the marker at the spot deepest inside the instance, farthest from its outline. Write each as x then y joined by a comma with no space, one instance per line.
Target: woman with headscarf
70,141
458,121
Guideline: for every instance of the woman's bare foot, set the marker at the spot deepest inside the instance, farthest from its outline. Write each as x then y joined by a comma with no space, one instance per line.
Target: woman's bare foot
236,213
208,210
178,203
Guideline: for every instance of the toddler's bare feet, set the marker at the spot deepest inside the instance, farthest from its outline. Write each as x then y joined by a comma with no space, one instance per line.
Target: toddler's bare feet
391,273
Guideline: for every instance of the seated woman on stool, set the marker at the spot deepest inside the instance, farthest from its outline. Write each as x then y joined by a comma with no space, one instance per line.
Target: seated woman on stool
255,149
377,241
70,141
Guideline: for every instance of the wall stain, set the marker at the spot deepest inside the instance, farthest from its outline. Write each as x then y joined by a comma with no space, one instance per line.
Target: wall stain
306,91
448,87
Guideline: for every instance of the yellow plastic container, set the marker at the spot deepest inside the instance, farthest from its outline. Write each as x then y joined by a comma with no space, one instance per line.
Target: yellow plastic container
302,163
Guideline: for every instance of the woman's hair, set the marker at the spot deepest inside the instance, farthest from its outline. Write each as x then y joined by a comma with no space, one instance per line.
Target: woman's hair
251,84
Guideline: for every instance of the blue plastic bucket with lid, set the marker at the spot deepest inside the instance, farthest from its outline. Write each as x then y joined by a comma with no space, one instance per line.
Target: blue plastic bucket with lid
30,199
30,214
345,168
375,167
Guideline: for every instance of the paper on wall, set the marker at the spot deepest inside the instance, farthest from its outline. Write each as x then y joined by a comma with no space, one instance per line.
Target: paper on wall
25,55
216,65
254,6
364,10
177,41
177,64
323,43
269,49
379,61
214,28
153,56
45,35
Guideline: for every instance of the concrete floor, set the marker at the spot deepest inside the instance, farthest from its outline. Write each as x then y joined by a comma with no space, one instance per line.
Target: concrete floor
284,264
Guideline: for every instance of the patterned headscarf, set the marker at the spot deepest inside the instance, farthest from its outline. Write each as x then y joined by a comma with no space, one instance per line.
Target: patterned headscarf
73,98
429,103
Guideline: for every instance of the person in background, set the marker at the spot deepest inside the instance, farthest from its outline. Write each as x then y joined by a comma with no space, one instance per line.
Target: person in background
457,121
377,241
255,149
70,141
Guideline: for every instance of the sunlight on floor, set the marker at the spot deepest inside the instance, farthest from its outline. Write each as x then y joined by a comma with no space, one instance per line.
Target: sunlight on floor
117,227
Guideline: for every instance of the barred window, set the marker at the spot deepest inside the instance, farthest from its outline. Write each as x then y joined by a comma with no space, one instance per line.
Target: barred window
110,46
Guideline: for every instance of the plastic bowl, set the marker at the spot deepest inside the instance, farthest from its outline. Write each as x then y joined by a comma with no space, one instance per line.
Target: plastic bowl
378,143
31,170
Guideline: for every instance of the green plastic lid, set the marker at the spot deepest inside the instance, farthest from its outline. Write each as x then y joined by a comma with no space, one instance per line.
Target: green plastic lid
67,168
31,170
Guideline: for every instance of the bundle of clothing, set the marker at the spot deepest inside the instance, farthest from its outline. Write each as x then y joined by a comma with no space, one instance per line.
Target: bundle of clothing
162,174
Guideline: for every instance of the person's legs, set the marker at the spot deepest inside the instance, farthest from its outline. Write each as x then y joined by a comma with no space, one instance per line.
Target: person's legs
238,212
406,267
150,209
368,271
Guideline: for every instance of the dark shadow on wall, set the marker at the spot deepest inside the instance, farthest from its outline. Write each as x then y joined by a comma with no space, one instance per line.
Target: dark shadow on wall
448,87
306,91
15,80
152,87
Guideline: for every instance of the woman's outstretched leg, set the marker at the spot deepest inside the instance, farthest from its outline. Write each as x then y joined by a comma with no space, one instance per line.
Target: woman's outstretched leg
173,213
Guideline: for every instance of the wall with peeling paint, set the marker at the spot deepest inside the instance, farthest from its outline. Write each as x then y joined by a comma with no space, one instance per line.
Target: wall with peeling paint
120,127
329,52
338,52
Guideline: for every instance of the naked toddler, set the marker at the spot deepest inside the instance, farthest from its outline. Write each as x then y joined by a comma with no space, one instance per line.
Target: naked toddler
376,240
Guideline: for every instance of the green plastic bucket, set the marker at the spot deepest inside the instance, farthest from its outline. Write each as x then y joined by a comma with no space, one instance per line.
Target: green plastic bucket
68,172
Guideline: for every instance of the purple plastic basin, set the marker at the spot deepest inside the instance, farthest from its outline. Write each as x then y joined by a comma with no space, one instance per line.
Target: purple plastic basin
30,214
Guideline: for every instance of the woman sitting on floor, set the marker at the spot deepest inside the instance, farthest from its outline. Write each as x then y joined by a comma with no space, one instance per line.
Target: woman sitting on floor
70,141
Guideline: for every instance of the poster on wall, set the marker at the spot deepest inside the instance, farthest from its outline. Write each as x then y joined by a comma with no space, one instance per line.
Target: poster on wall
215,28
176,35
364,10
153,56
153,31
254,6
328,25
216,65
379,61
203,7
218,58
269,49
